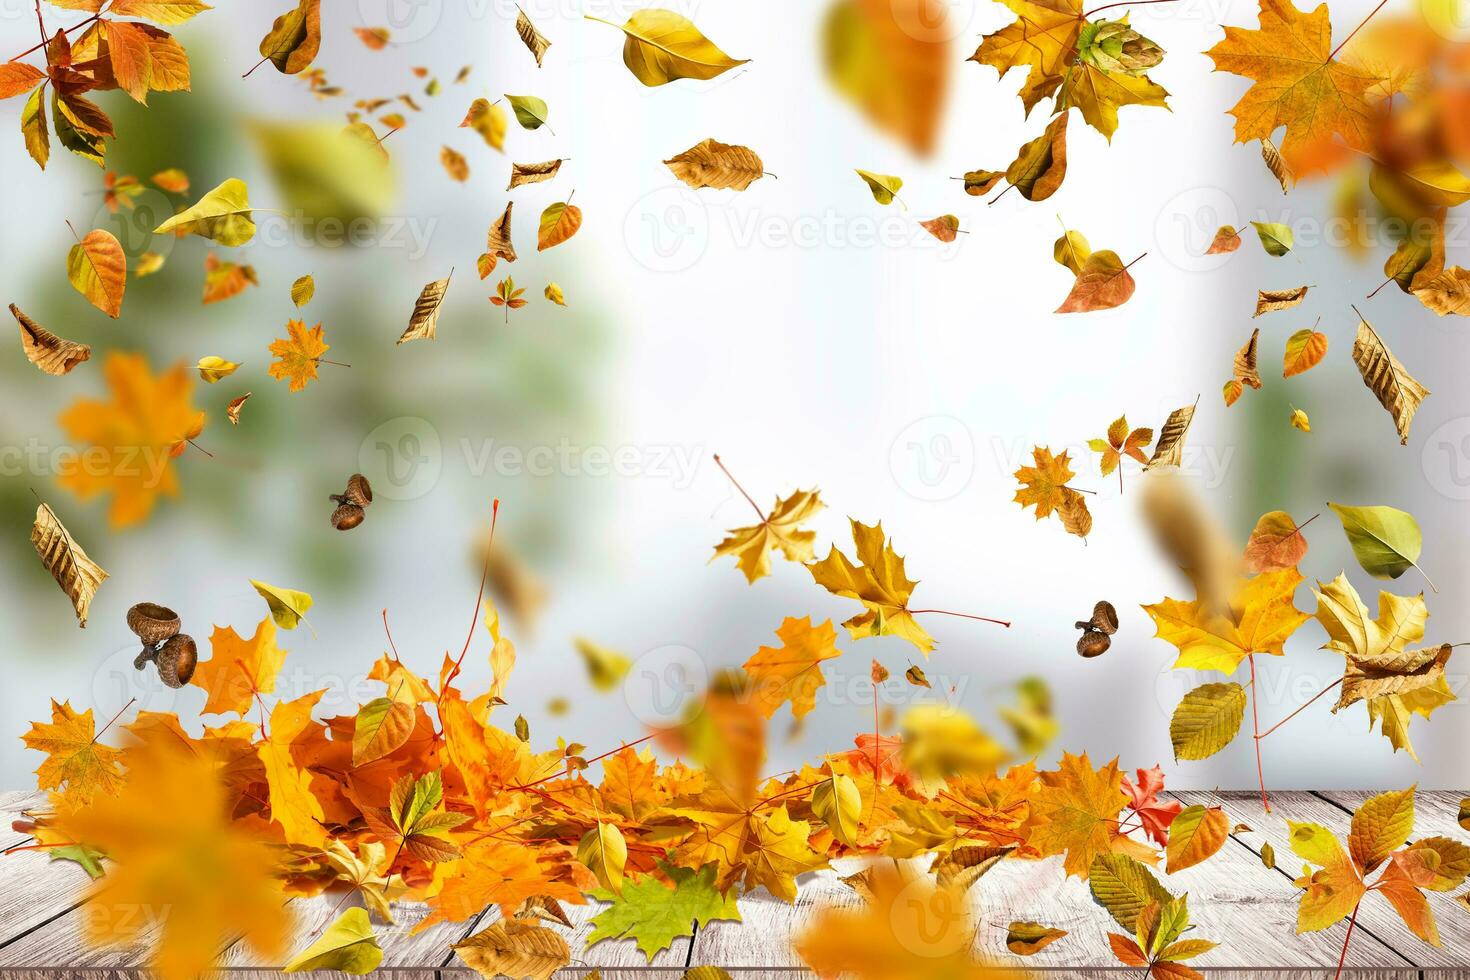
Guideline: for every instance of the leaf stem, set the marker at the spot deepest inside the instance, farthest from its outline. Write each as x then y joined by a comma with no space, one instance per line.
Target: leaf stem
1373,13
114,718
1256,723
749,499
388,631
1380,286
1299,710
64,30
256,65
1087,15
1352,921
479,601
946,612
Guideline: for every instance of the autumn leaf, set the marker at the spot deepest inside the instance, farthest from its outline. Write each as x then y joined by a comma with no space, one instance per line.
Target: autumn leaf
97,268
412,820
531,112
298,354
78,575
1027,938
223,215
294,39
514,947
47,351
533,39
1044,487
239,670
454,163
780,530
532,173
293,805
1120,442
1398,391
1154,815
946,227
1041,164
1276,238
605,853
792,672
654,914
1260,619
1275,300
487,119
1304,351
1300,421
347,945
661,46
710,163
146,418
1102,284
883,187
1076,809
423,322
225,280
1196,834
508,296
1245,372
1169,450
232,410
1275,543
1226,240
1296,84
553,293
878,582
497,243
1206,720
559,222
359,870
212,369
77,765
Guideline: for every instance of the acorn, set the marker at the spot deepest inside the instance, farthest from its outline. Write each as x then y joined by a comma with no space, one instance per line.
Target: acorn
153,624
177,659
358,491
347,516
1093,643
1104,619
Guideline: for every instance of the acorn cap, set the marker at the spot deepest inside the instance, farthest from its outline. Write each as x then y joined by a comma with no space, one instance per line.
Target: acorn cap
153,623
1093,643
347,516
359,491
1104,617
177,660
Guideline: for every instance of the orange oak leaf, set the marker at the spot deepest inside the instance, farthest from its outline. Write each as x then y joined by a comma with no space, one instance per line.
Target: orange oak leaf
298,357
132,437
239,670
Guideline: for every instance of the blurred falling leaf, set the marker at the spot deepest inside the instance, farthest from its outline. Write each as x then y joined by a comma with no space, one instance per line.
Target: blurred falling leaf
487,119
173,180
323,173
213,368
553,292
223,280
373,38
455,165
605,668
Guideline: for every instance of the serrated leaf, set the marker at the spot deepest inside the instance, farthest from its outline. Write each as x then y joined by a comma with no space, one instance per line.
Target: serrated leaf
516,948
302,290
1124,887
1206,720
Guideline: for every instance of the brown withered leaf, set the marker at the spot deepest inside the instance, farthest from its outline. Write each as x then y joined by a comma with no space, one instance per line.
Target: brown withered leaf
455,165
1245,369
964,866
915,676
1227,239
424,321
710,163
1075,517
946,227
1102,284
497,243
1276,543
1392,672
979,182
45,350
1271,300
78,575
1448,292
514,947
1419,256
1041,164
532,173
1169,450
1395,388
1276,165
897,75
232,410
533,39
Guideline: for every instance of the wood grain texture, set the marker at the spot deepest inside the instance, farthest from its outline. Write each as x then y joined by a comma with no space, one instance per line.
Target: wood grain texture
1376,919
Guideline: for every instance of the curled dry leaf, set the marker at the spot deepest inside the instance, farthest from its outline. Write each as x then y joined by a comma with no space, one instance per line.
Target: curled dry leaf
553,292
1026,938
533,39
559,222
710,163
884,187
232,410
1103,283
1447,292
1245,369
1041,164
1271,300
915,676
514,947
532,173
946,227
45,350
98,269
1169,450
1276,164
1398,391
423,322
979,182
455,165
1044,487
897,76
295,38
1226,240
1276,543
212,368
662,46
78,575
497,243
1304,351
1300,421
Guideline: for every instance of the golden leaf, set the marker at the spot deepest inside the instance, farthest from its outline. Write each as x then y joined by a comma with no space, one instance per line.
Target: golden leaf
212,368
514,947
1304,351
45,350
710,163
1102,284
294,38
779,530
1226,240
533,39
1396,389
1276,165
487,119
794,671
424,321
497,243
662,46
98,269
298,354
1260,619
559,222
455,164
878,582
1271,300
1169,450
232,410
1041,164
239,669
302,290
223,215
532,173
1447,292
77,764
553,292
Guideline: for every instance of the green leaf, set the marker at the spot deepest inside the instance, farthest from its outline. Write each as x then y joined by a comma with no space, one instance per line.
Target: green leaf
1386,541
884,186
89,857
348,945
222,215
530,111
288,606
383,725
1276,239
1123,887
1206,720
654,915
837,803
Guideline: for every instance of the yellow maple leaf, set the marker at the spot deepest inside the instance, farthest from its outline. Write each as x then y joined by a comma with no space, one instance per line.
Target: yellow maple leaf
759,843
1042,40
794,671
1075,811
293,806
1297,85
1044,486
238,669
298,354
182,865
1260,619
878,582
778,531
494,872
76,763
133,437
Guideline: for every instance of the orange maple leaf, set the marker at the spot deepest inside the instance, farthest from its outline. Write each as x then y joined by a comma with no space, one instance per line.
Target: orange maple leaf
76,762
793,672
1298,85
239,670
133,437
1076,810
297,358
494,872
